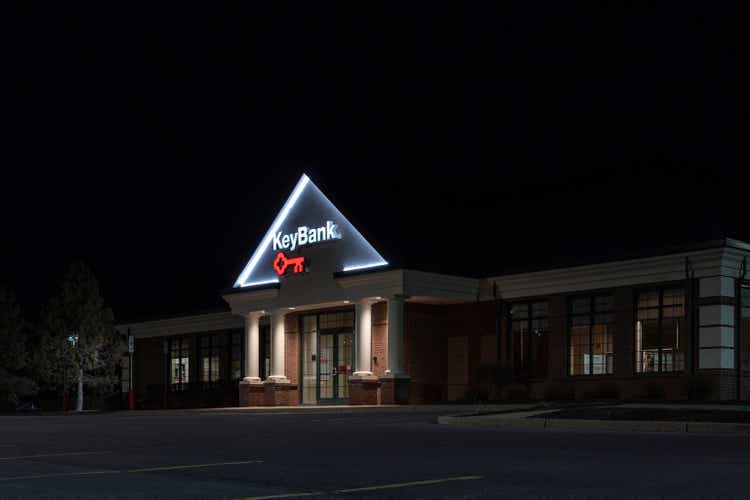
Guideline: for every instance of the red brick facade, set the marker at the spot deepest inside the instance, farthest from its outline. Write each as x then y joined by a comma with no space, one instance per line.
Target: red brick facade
363,391
464,352
452,354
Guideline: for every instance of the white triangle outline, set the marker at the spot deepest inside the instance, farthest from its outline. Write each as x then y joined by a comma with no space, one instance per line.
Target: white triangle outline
241,281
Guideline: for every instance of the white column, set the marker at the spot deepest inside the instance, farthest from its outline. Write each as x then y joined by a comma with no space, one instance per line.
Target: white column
395,336
277,348
363,337
252,348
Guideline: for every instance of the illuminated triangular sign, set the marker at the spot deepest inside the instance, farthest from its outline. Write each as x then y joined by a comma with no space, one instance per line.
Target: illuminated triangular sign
307,218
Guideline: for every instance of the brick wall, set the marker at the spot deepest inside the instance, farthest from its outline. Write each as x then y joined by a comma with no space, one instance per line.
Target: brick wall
148,365
291,347
437,371
449,348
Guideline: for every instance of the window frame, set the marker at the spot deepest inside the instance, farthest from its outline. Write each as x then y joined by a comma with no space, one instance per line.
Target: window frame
231,345
529,372
592,313
660,288
183,348
214,349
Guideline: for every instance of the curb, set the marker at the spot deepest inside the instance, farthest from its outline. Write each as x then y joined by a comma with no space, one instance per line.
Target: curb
606,425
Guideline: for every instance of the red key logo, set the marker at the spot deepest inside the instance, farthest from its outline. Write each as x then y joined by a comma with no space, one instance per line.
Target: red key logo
282,262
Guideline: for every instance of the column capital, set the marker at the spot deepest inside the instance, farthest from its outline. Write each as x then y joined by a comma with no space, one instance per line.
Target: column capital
367,301
255,314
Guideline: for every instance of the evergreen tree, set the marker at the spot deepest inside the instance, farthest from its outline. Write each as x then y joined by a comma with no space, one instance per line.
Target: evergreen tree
14,385
80,342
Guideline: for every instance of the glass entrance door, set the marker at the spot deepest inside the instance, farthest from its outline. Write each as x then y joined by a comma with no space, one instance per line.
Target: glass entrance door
327,357
335,367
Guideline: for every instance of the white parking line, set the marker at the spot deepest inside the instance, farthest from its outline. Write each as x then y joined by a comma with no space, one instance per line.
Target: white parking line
345,491
285,495
409,484
60,474
196,466
42,455
131,471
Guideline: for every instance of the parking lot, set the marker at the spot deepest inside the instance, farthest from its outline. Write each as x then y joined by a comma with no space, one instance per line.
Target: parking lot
389,452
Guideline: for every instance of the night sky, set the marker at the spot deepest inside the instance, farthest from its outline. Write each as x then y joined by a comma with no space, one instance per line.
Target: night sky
158,145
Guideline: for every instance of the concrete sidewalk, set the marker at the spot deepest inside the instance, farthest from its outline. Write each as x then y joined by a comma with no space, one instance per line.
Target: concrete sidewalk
453,409
533,419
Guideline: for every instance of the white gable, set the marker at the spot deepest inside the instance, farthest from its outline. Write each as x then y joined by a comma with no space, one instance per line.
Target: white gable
309,233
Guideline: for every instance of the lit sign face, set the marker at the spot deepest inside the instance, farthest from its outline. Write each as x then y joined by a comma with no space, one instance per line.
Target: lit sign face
307,219
282,263
306,236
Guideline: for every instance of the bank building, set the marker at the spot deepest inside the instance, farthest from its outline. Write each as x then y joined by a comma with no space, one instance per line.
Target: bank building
319,317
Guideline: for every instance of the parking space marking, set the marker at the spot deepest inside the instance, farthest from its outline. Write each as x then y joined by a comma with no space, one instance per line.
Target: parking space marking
286,495
410,484
44,455
426,482
60,474
195,466
131,471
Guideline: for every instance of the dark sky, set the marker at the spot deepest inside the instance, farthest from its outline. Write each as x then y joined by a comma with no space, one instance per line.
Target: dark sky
158,145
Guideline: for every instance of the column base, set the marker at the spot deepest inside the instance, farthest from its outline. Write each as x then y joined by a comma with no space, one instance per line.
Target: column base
395,389
251,380
363,390
251,394
280,393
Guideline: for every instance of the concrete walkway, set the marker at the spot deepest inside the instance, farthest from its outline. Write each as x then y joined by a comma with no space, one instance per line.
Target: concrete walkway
448,409
522,419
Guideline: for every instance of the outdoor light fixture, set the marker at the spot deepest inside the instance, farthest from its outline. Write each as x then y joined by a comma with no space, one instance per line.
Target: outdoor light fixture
365,266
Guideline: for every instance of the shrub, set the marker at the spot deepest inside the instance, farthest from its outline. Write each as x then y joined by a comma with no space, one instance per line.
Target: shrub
655,390
698,388
559,391
604,390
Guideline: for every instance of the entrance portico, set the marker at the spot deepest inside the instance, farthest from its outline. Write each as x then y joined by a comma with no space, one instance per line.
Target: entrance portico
347,351
332,300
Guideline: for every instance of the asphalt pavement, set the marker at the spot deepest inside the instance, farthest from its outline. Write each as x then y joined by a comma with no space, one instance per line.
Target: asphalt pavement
353,453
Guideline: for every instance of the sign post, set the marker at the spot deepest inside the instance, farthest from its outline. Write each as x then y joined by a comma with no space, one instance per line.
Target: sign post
131,350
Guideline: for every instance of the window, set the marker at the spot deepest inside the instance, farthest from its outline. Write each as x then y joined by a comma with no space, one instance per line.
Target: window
179,362
211,358
745,326
235,355
529,327
339,319
265,351
660,331
590,335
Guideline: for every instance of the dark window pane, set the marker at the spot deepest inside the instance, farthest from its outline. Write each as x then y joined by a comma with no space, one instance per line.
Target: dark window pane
580,306
648,299
540,309
520,311
539,326
673,296
603,303
580,320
